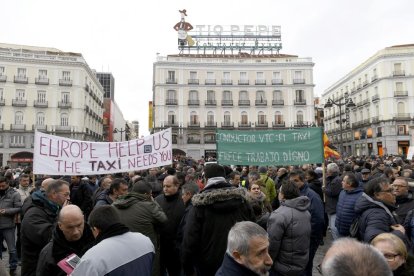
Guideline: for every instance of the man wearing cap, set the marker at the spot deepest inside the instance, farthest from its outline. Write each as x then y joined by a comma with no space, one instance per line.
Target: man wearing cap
365,177
404,198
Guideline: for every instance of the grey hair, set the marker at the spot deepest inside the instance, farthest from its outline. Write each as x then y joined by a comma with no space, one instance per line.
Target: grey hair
190,187
254,175
332,167
240,235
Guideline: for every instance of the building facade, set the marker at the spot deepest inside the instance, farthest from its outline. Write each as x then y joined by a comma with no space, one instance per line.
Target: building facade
382,89
47,90
107,81
196,94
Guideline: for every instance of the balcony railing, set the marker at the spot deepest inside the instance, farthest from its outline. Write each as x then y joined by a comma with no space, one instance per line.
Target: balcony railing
210,82
365,83
65,82
398,73
171,101
375,119
227,103
19,127
278,102
300,124
375,97
260,102
227,124
64,104
2,101
209,141
277,81
211,124
63,128
21,79
260,82
364,102
210,103
17,145
193,102
298,81
191,140
299,102
374,78
42,81
19,102
193,81
170,124
193,124
402,116
261,124
404,132
171,81
226,82
40,104
39,127
243,82
400,93
3,78
245,125
244,102
279,124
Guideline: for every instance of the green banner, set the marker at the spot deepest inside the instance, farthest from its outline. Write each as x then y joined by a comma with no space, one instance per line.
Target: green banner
270,147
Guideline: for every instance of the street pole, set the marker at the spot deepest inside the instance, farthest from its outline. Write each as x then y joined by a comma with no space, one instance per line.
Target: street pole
341,142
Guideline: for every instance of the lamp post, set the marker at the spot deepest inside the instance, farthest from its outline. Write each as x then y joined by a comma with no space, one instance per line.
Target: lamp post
119,130
347,103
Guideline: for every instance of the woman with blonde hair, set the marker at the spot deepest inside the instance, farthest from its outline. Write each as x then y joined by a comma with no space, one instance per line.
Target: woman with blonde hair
395,252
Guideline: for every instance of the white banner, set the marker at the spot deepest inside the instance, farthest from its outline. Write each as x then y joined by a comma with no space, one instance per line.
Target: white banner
54,155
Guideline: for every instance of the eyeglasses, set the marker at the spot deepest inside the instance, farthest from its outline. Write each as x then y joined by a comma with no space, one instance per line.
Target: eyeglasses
399,186
390,257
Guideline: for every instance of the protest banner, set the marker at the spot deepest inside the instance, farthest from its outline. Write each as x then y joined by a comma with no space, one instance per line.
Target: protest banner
54,155
270,147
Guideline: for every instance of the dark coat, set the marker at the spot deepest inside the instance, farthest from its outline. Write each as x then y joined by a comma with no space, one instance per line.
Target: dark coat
103,199
230,267
12,204
316,209
332,190
81,196
59,248
407,269
405,204
215,210
375,218
289,229
345,210
36,230
316,186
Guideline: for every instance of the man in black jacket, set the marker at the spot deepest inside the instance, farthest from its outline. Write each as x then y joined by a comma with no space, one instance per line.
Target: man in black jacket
404,198
70,235
81,195
215,210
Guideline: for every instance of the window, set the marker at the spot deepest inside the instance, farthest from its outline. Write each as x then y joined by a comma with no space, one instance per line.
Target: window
18,118
260,75
277,95
17,139
210,96
401,108
1,94
243,96
300,97
21,72
193,118
1,70
40,119
42,74
227,96
244,118
276,75
243,75
66,75
171,75
298,75
64,119
193,75
171,118
171,94
402,129
226,75
227,118
20,94
397,67
193,95
210,76
261,118
41,96
260,96
210,118
299,117
278,117
65,97
399,86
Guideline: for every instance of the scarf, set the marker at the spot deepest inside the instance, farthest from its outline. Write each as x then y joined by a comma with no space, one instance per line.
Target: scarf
115,229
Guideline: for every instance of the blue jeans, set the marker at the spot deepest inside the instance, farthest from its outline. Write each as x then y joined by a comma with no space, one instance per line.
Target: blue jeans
332,226
9,235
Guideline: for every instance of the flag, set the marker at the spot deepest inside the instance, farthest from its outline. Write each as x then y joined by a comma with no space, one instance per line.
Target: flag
328,150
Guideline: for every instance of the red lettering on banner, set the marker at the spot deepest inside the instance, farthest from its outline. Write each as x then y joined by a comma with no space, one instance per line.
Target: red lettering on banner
50,148
71,149
64,146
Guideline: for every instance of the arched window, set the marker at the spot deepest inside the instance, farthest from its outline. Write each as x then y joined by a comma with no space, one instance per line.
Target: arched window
227,118
401,108
299,117
18,118
64,119
244,118
171,118
210,118
261,118
193,118
278,118
40,119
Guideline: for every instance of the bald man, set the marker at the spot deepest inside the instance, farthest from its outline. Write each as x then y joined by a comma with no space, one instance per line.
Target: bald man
70,235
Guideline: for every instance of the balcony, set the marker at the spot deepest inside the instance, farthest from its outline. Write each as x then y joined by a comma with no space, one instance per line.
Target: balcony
375,119
379,134
171,102
18,127
191,140
243,82
261,124
193,124
3,78
400,93
374,78
244,102
21,79
64,104
226,82
39,127
402,117
375,98
2,102
300,124
245,125
365,83
193,81
260,102
398,73
227,103
171,81
62,128
364,102
260,82
299,102
170,124
278,102
210,103
17,145
277,81
40,104
279,124
65,82
210,124
404,132
209,141
42,81
210,82
227,124
194,102
298,81
19,102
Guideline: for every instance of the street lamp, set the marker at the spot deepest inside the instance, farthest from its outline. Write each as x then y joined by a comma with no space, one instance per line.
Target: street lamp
119,130
347,103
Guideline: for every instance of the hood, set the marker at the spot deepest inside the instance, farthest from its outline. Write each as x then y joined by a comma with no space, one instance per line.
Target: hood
214,181
301,203
39,199
224,199
130,199
366,202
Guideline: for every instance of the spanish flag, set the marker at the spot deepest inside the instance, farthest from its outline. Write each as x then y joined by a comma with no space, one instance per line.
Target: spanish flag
327,148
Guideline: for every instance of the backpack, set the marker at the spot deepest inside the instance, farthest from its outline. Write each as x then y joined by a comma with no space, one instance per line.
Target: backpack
354,229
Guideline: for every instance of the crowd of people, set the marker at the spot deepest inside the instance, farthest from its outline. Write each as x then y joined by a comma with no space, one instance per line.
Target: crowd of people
196,219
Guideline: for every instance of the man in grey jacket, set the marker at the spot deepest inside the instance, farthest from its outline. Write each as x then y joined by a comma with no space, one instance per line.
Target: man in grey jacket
10,205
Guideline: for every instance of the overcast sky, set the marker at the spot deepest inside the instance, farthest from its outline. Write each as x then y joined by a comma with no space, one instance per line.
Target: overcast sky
124,36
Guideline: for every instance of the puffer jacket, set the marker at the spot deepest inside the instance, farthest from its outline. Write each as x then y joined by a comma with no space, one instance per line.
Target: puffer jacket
289,229
345,210
215,210
12,205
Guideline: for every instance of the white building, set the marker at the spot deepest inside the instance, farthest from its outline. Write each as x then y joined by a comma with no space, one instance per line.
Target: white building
382,88
195,94
49,90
